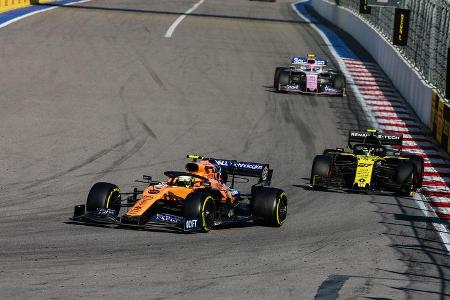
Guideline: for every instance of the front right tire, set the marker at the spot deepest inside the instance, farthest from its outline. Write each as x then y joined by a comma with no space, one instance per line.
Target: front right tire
104,195
321,169
201,206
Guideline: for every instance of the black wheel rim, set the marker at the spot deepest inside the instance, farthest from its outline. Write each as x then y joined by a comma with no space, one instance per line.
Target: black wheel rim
115,201
282,209
209,213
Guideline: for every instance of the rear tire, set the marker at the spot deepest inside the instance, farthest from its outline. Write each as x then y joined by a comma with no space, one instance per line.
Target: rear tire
103,195
418,170
320,168
269,206
201,206
406,177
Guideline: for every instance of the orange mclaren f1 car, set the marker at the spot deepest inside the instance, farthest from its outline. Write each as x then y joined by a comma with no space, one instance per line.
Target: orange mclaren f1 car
198,199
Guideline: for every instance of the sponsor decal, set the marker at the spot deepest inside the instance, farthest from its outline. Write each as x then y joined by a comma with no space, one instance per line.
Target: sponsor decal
381,136
364,7
251,166
330,89
106,211
359,134
388,137
320,62
191,224
240,165
225,163
292,86
401,26
298,60
167,218
364,165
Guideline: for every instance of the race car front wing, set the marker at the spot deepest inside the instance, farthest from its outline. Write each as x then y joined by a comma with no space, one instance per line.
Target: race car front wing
105,218
295,88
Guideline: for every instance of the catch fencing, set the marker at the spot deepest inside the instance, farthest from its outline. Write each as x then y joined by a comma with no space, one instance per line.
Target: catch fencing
428,39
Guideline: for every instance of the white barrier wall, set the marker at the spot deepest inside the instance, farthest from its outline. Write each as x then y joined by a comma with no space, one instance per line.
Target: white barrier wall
408,82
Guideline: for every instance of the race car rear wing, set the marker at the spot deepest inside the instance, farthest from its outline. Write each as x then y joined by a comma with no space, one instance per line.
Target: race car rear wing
241,168
387,139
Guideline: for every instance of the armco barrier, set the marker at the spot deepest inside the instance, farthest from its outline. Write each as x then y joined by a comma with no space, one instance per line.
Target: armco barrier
407,81
6,5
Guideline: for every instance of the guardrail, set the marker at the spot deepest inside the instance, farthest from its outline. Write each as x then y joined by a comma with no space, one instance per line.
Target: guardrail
428,39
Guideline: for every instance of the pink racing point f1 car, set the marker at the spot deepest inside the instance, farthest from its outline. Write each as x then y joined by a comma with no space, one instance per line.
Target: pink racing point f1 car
309,75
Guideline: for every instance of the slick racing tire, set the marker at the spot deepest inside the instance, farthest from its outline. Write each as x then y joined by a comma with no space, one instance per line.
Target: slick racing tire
268,206
320,168
338,80
283,78
202,207
339,83
277,76
406,177
418,170
104,195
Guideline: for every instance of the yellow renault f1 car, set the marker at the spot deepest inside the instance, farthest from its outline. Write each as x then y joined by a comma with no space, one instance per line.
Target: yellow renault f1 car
369,165
198,199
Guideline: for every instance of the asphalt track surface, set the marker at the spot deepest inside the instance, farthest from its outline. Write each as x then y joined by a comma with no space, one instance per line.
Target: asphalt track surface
98,94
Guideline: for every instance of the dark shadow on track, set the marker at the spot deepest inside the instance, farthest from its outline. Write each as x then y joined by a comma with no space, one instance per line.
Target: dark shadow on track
158,12
329,289
408,226
434,255
424,219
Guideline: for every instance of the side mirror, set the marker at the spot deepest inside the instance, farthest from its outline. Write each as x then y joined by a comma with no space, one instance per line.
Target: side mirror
206,184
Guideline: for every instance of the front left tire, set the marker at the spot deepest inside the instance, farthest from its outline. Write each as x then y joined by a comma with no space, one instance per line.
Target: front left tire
104,195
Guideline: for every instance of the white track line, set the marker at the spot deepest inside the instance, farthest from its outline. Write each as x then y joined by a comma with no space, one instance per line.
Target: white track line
172,27
428,211
39,11
420,199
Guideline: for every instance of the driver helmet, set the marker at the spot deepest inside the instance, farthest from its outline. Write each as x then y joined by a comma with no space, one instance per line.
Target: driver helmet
366,151
185,181
311,58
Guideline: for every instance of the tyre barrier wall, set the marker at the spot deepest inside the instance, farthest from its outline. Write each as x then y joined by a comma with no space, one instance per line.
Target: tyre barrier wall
6,5
407,81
